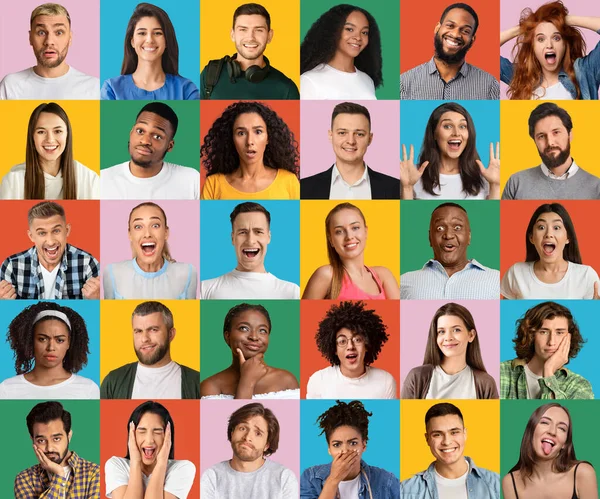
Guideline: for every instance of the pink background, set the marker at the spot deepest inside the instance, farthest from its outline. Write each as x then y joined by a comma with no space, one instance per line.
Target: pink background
415,318
316,152
510,12
214,446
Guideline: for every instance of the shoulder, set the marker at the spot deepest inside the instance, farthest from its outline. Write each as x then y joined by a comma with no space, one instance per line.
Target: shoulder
586,471
280,76
286,176
84,173
212,385
121,371
380,375
182,171
413,72
13,78
381,474
113,171
374,174
326,372
17,170
526,174
424,370
181,467
382,272
116,464
188,371
584,271
323,272
78,252
480,73
24,255
83,380
487,474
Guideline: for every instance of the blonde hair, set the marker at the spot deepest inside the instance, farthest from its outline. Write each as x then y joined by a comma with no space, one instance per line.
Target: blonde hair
166,253
49,9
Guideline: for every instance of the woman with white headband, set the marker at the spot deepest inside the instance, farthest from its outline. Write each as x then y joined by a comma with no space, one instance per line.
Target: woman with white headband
50,343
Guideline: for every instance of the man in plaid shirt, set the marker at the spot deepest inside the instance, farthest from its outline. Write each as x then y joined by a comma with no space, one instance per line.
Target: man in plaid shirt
60,473
52,269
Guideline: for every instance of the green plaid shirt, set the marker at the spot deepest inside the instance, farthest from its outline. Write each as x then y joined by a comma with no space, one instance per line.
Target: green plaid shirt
83,482
565,384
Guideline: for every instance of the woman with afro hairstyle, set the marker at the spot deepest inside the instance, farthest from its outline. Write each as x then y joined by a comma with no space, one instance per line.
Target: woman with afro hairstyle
340,57
452,366
346,428
50,345
250,153
350,338
550,60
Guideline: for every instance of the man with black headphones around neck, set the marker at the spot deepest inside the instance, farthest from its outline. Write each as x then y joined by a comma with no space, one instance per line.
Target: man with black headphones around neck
247,74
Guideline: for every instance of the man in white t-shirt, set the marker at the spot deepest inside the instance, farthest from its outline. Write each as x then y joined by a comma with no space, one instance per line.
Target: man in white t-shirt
156,375
147,175
50,37
250,235
253,431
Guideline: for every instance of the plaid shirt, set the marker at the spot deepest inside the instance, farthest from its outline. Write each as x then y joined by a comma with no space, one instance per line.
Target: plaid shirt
24,272
83,482
565,384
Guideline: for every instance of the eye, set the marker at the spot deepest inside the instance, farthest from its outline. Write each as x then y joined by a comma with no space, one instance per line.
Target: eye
457,227
336,444
60,32
60,340
439,228
258,132
264,331
41,33
366,33
241,133
541,227
137,226
557,227
139,131
156,226
157,137
348,28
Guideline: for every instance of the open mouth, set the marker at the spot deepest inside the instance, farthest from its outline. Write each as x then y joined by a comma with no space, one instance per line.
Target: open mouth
547,445
52,251
550,57
50,148
449,248
349,149
549,248
351,246
250,46
452,43
50,53
149,452
454,145
251,253
149,49
448,451
352,358
148,249
251,153
355,45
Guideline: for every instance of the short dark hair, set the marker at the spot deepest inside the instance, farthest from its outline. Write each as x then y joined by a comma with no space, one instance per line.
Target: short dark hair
163,111
250,9
248,411
44,412
153,408
448,205
443,409
350,108
154,307
351,414
462,6
45,209
249,207
240,309
549,109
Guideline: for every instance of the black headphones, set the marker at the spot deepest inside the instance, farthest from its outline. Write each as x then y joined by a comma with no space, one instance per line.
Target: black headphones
254,74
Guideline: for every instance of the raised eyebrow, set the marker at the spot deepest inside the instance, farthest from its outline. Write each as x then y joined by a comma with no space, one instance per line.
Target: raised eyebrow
151,218
56,25
351,223
51,228
148,124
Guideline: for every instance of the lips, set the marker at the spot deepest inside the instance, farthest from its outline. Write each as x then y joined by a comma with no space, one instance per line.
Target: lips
352,358
246,445
449,451
253,347
452,42
550,57
50,148
251,253
144,151
250,153
149,49
148,248
149,452
449,248
147,348
350,246
52,251
547,445
51,358
549,248
454,144
450,345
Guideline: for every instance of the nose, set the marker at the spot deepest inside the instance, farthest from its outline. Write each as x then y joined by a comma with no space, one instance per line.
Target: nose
252,334
551,339
50,347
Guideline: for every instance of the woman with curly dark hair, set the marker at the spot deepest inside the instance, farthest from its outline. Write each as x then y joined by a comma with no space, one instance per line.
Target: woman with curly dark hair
250,153
350,338
50,343
452,366
346,428
340,57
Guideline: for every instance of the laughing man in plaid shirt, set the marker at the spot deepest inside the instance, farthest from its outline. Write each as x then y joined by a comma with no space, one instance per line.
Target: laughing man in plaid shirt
60,473
52,269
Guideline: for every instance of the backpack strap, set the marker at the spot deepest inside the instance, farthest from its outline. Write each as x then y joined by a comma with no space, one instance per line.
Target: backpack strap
213,72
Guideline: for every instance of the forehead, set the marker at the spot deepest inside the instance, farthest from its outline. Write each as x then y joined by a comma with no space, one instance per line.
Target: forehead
344,433
146,212
153,120
47,223
144,321
555,323
344,332
549,216
148,23
546,28
51,327
549,123
444,423
452,116
249,120
251,219
50,428
460,17
345,216
46,21
556,414
49,120
258,422
354,121
151,420
253,316
449,213
250,21
449,320
358,19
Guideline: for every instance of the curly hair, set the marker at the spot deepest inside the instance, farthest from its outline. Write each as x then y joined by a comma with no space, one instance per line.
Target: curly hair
353,316
532,321
527,69
21,337
351,414
321,41
218,152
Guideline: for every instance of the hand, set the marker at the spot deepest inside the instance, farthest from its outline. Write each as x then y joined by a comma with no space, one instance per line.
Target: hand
342,464
409,174
252,370
163,453
558,358
134,452
596,295
91,289
45,463
492,172
7,291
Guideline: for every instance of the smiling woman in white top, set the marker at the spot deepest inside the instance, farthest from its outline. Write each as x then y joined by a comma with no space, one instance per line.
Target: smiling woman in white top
49,171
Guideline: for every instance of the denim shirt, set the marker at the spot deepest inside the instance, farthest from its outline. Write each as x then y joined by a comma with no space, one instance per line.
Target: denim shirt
384,485
587,73
481,484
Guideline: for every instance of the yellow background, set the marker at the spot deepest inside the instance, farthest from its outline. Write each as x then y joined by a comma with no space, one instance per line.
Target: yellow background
116,335
482,421
85,124
284,50
383,240
518,150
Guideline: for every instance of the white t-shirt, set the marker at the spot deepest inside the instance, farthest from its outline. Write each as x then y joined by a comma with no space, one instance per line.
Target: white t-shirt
76,387
237,285
157,382
452,386
26,85
330,383
452,488
349,488
178,480
171,182
533,385
87,183
325,82
451,188
49,281
555,92
521,283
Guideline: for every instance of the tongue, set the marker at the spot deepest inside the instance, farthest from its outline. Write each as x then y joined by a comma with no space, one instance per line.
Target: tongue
551,59
547,448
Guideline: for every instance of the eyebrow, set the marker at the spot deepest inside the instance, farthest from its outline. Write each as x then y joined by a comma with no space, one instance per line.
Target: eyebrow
541,219
461,120
56,25
456,22
53,128
349,440
151,218
559,422
445,431
346,129
246,323
257,26
540,33
351,223
156,126
245,128
455,325
352,24
48,336
44,228
53,435
453,219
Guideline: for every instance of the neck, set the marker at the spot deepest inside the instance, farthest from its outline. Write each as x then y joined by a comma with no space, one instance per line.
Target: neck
447,71
147,469
50,167
543,469
450,166
47,266
65,461
350,172
556,267
149,72
246,63
249,171
44,72
151,266
353,374
354,265
260,269
562,169
145,172
454,470
342,62
453,365
455,267
352,474
41,375
550,77
161,363
245,466
536,365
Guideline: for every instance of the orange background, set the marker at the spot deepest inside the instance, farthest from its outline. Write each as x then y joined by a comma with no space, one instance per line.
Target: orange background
114,415
313,311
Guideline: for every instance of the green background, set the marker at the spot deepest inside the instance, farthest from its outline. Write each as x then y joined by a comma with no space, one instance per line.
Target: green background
414,232
118,117
284,341
387,15
18,448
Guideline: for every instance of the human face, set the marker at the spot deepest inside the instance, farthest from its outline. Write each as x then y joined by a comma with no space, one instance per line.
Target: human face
151,339
450,235
50,238
350,136
50,37
149,437
148,234
250,236
150,139
251,36
52,440
452,134
446,437
549,237
347,233
249,439
453,337
148,40
548,47
553,141
250,137
547,339
50,343
346,439
351,349
355,35
249,332
550,434
50,137
454,36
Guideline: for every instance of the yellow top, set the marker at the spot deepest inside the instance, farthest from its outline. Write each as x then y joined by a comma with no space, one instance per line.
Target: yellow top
285,186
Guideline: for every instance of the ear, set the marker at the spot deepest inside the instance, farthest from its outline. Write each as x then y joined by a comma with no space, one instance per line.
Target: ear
32,46
270,37
226,335
232,241
465,432
30,235
70,435
172,334
330,135
530,238
370,138
472,334
231,35
166,233
426,438
469,238
437,28
171,145
269,241
68,229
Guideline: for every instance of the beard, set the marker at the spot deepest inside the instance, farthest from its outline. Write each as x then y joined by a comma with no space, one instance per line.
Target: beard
51,64
449,58
555,161
158,355
57,458
244,453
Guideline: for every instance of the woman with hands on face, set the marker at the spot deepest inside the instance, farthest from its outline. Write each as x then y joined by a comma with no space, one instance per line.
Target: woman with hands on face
247,330
449,164
149,470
